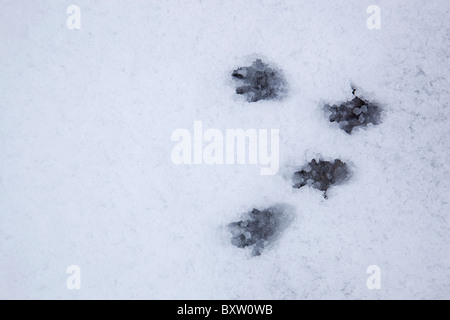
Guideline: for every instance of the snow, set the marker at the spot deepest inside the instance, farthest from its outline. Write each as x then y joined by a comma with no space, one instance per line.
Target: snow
86,176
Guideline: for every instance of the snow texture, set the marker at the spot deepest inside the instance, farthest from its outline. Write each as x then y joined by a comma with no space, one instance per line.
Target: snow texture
322,175
86,176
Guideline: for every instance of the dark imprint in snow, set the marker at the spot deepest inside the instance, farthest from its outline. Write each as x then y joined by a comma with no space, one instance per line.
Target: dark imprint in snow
258,228
322,175
354,113
259,82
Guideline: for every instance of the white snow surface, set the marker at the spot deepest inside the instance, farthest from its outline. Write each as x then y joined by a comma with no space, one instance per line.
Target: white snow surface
86,176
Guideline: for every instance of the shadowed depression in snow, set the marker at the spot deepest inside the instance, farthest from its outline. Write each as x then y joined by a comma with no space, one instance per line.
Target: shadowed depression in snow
259,228
322,175
354,113
259,82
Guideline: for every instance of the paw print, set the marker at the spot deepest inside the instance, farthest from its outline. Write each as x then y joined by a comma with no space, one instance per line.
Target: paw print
354,113
322,175
261,82
258,228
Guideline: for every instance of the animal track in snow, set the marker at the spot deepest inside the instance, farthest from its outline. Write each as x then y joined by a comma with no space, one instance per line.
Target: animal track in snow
322,175
259,82
354,113
259,228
